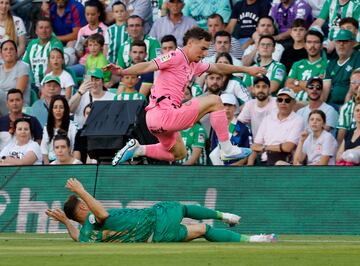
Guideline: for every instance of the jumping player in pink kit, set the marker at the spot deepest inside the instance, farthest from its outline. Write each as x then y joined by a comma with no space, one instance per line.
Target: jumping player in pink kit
166,116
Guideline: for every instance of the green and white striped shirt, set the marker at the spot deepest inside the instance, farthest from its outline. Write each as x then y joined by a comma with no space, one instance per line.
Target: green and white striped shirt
196,90
194,137
117,36
128,96
152,50
304,70
346,117
36,56
333,11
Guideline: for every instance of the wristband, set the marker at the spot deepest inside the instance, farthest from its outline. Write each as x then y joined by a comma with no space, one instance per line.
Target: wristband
81,94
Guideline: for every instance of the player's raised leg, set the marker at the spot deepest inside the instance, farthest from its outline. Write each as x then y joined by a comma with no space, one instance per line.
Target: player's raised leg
212,104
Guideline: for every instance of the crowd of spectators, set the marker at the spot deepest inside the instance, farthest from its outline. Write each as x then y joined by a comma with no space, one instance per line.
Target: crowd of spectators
304,111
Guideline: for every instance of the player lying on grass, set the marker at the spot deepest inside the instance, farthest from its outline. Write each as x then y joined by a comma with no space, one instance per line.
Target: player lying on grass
160,223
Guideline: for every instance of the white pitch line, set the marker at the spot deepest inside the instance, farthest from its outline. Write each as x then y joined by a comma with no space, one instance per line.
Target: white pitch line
34,238
319,241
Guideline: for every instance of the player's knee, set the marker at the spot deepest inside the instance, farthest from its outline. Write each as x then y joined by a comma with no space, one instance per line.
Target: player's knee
216,102
180,154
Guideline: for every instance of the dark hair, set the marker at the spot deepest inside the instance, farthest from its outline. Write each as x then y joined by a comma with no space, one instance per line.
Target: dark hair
299,22
319,112
215,15
43,19
62,137
267,17
140,43
350,20
96,37
62,55
89,105
10,41
70,206
222,33
197,34
24,119
99,6
13,91
224,54
65,121
117,3
315,33
168,38
268,37
133,17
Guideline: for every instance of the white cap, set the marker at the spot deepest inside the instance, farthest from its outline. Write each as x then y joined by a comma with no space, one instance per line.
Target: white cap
289,92
228,98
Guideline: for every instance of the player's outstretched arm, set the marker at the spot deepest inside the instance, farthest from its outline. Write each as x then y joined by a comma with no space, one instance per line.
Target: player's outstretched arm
225,69
95,206
138,69
59,215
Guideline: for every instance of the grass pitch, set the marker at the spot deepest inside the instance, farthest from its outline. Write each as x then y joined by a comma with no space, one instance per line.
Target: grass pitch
54,250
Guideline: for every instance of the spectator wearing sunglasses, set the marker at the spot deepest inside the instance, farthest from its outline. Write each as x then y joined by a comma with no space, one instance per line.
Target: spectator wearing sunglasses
314,88
279,132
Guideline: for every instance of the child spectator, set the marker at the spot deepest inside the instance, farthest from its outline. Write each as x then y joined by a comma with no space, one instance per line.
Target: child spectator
117,32
95,15
128,89
56,65
96,58
63,151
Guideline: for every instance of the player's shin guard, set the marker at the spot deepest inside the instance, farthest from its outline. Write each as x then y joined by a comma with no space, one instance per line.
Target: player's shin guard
222,235
199,213
159,152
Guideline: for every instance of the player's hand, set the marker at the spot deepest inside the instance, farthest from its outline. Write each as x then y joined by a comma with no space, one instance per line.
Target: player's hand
57,214
257,71
74,185
114,69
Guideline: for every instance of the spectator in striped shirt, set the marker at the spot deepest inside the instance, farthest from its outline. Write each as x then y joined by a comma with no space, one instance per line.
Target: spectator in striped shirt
346,120
128,91
117,32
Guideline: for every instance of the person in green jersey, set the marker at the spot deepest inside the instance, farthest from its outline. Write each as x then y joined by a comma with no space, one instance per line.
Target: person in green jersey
135,29
38,50
159,223
129,92
333,11
339,69
117,31
352,25
276,72
313,66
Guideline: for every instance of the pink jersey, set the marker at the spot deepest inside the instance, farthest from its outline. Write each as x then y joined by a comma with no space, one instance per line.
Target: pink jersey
175,74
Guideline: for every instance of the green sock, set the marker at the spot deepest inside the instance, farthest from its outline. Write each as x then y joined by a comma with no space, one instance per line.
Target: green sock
199,213
222,235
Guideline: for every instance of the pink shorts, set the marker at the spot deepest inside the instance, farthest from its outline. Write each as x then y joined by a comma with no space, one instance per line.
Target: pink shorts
166,122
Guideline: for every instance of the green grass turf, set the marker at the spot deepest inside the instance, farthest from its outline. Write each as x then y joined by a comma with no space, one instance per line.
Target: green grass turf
36,249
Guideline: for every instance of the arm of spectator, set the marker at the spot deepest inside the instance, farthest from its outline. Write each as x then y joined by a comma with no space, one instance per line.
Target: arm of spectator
283,36
77,155
22,83
21,45
69,37
324,160
95,206
318,23
231,25
283,147
145,89
76,98
256,148
340,151
248,59
29,159
59,215
274,86
340,135
247,44
300,156
45,8
46,159
326,89
195,155
290,83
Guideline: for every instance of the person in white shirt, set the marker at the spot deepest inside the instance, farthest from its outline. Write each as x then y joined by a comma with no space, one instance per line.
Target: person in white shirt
91,90
63,151
256,109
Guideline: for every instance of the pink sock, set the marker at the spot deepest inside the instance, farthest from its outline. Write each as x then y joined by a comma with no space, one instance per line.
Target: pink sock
219,123
158,151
